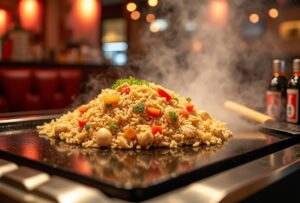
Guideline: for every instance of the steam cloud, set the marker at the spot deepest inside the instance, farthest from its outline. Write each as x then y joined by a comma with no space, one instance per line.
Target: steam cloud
221,71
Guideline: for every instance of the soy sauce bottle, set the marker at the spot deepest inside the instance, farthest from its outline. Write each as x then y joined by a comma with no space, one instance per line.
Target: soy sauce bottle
292,113
276,91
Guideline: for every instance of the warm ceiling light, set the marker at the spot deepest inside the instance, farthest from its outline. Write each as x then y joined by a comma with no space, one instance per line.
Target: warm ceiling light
150,17
29,12
88,5
87,9
218,12
273,13
152,3
3,16
135,15
3,21
253,18
131,7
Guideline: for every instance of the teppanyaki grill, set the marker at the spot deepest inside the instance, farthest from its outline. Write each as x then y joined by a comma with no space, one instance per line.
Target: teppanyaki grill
131,174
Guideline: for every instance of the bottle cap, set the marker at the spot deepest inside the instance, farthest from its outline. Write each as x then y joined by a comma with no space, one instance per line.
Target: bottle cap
296,65
278,66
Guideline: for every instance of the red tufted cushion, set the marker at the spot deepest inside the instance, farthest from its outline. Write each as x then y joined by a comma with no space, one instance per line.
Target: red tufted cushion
46,82
16,84
71,82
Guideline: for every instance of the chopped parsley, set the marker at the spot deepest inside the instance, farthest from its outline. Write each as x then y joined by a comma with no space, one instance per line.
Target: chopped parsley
113,127
189,99
108,105
139,108
131,81
173,116
176,99
87,127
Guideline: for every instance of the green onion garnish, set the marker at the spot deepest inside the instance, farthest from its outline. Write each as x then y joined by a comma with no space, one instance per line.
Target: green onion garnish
131,81
108,105
113,127
173,116
139,108
87,127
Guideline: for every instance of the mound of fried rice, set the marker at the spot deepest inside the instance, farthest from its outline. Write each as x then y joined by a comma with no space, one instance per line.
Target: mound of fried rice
137,114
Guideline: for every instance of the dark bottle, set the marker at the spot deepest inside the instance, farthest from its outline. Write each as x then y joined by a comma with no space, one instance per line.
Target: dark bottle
276,92
292,113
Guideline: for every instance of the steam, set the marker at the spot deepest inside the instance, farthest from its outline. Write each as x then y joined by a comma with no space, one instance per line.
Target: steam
213,75
209,76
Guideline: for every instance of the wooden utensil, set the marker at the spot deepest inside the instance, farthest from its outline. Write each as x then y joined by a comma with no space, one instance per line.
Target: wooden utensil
266,122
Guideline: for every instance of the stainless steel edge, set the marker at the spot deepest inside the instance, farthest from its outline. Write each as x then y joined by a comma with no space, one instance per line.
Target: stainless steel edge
261,182
28,119
233,185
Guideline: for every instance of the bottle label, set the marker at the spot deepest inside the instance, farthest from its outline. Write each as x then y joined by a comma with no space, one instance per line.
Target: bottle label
274,104
292,107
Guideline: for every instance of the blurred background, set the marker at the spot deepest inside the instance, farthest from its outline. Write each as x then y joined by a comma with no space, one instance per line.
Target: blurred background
51,51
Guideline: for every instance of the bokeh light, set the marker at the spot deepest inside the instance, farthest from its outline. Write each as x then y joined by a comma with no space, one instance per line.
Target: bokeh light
150,17
159,25
154,27
218,12
131,7
135,15
254,18
273,13
152,3
197,46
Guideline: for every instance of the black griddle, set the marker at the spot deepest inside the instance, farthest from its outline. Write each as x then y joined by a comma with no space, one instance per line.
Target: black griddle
132,175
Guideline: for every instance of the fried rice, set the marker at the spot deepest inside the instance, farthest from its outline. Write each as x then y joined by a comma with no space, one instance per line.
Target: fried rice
137,114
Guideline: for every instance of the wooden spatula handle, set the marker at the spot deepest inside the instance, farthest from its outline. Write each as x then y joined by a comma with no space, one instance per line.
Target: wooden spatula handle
247,112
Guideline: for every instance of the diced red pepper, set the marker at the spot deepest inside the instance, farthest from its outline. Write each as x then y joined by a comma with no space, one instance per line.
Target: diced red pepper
156,128
82,123
125,90
153,111
190,107
164,94
185,113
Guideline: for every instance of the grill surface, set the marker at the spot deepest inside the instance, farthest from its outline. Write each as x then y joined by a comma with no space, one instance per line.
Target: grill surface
132,174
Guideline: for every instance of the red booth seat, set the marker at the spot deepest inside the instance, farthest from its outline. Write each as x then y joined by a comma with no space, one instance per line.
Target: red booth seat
71,82
16,85
24,89
4,107
32,102
46,82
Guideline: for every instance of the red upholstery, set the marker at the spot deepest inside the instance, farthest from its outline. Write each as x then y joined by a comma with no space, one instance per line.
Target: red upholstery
35,89
59,101
71,81
32,102
1,82
46,82
4,107
16,85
